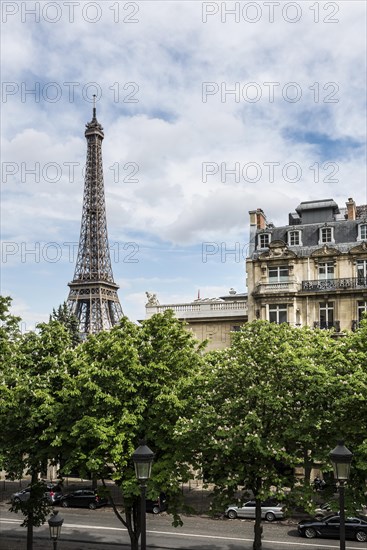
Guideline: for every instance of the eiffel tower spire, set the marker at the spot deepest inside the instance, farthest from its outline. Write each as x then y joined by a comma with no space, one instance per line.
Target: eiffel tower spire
93,293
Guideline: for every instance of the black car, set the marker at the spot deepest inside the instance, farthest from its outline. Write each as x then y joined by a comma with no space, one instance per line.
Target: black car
83,498
329,527
158,505
53,492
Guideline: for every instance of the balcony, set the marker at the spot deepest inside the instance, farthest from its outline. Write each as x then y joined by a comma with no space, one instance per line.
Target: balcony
327,285
327,325
281,286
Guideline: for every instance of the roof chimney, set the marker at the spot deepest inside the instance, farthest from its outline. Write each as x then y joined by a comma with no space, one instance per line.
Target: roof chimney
261,219
351,209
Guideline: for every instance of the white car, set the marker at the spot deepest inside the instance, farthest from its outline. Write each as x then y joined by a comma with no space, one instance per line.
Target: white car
269,511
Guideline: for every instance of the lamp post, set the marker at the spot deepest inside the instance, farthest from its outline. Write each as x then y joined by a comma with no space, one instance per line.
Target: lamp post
55,522
341,459
143,459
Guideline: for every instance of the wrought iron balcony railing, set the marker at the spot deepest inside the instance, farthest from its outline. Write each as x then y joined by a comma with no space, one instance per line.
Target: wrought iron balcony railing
335,284
327,325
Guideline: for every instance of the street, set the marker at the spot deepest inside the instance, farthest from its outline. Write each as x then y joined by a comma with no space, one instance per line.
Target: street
99,528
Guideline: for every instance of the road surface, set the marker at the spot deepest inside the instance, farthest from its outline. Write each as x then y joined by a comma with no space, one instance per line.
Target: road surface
100,529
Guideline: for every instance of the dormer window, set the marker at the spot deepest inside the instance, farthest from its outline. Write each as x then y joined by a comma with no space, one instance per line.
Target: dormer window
294,238
362,232
326,235
263,240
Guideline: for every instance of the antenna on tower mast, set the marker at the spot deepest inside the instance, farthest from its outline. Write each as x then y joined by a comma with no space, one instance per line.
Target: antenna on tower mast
94,106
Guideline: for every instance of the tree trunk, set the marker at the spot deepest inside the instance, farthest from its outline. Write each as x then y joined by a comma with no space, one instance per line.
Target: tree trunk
257,527
131,521
94,482
30,532
34,479
133,527
307,465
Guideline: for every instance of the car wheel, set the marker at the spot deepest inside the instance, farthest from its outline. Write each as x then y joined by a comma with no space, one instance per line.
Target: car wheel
16,500
155,510
269,516
361,536
92,506
310,533
232,514
64,504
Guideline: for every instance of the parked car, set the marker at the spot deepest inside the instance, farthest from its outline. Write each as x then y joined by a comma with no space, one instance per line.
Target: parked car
270,511
323,511
329,510
21,496
329,527
158,505
53,493
83,498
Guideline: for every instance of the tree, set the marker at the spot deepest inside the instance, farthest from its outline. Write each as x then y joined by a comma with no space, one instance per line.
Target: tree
124,386
9,338
351,407
29,386
9,330
69,320
258,406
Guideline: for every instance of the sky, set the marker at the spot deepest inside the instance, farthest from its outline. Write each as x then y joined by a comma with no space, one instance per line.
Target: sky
210,109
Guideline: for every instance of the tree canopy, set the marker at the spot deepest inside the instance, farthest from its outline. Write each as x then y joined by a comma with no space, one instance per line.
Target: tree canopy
244,418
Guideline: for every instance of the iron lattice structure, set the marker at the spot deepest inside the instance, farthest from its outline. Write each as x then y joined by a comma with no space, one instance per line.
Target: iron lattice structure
93,293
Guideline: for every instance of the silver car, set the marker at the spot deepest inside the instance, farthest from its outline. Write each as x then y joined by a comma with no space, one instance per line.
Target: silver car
52,494
323,511
269,511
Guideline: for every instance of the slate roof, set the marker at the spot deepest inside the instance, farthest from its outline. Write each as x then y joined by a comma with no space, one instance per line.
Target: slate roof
345,231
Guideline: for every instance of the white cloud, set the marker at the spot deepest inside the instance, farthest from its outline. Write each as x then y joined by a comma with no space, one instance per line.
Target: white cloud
162,61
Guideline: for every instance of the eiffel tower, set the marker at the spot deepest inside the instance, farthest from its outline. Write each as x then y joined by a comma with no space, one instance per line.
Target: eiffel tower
93,295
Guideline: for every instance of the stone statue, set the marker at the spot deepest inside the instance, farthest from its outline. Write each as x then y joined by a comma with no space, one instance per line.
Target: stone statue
152,299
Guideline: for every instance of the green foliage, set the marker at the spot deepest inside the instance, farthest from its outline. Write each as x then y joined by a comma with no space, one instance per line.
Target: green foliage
9,330
125,385
29,387
68,319
36,508
280,396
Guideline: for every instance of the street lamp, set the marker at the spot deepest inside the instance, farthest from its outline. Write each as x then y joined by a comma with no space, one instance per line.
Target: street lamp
341,459
143,459
55,522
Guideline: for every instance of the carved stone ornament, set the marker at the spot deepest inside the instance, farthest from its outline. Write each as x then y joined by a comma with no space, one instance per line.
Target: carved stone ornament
277,249
325,252
359,249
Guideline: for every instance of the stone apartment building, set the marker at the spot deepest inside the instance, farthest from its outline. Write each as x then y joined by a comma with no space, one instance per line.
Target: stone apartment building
312,271
212,319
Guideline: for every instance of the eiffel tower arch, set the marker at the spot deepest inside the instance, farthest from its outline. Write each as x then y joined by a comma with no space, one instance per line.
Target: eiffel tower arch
93,293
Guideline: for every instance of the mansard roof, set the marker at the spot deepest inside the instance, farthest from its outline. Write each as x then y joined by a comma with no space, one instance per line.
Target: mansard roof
345,231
